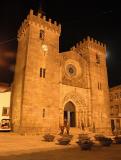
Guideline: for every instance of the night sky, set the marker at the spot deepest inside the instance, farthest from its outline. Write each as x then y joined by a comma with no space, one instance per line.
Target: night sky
79,19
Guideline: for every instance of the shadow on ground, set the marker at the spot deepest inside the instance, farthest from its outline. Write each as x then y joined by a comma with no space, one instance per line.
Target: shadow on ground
100,153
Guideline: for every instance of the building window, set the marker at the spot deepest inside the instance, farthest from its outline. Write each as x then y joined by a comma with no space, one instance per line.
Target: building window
97,59
116,110
112,110
43,114
99,86
111,97
116,96
42,34
120,94
112,124
5,111
42,72
118,123
120,109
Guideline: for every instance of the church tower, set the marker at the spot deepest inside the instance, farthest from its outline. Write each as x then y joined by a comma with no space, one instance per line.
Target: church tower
35,95
95,52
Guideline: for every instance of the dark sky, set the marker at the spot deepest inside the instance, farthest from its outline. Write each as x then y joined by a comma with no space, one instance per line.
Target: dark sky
78,18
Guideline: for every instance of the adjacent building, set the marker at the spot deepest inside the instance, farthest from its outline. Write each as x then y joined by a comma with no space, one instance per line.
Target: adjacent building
115,108
5,95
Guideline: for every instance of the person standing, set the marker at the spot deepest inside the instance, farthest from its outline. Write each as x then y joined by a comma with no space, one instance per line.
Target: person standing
65,122
62,129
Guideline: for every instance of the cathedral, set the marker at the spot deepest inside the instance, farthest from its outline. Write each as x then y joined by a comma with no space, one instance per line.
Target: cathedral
50,86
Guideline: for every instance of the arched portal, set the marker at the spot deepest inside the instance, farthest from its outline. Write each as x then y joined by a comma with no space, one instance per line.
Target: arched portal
70,113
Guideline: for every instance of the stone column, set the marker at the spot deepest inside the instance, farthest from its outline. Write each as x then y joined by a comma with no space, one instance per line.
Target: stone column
68,116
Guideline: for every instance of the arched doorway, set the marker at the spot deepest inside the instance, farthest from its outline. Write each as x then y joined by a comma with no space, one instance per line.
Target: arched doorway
70,113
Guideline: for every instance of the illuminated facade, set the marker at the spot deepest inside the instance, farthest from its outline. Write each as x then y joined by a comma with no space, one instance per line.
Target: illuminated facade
50,86
115,108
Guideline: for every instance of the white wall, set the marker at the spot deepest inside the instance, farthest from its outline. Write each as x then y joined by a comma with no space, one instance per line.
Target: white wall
4,102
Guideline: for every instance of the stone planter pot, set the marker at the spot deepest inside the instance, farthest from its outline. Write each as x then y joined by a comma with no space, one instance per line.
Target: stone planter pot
64,141
106,142
49,137
86,145
99,137
117,139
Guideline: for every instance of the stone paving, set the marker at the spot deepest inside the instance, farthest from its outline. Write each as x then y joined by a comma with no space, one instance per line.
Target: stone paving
16,147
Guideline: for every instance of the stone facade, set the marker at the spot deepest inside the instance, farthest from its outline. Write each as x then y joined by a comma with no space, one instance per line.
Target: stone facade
50,86
115,108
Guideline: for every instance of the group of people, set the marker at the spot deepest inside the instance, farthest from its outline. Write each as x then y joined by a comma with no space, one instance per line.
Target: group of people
65,128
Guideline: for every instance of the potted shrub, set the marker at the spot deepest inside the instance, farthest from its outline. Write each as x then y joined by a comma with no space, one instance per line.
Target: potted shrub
64,140
49,137
106,141
70,136
99,137
84,142
117,139
83,136
86,145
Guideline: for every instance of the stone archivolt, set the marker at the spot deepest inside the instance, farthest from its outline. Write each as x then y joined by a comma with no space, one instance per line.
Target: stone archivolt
76,99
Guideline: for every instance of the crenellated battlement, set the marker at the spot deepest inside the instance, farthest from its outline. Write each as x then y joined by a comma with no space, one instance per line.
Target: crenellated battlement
40,20
90,43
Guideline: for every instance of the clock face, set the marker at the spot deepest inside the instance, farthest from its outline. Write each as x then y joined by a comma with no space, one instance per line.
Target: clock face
44,47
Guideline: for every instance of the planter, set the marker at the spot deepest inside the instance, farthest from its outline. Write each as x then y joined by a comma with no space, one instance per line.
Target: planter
86,145
83,136
106,141
118,139
99,137
70,136
64,140
49,137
